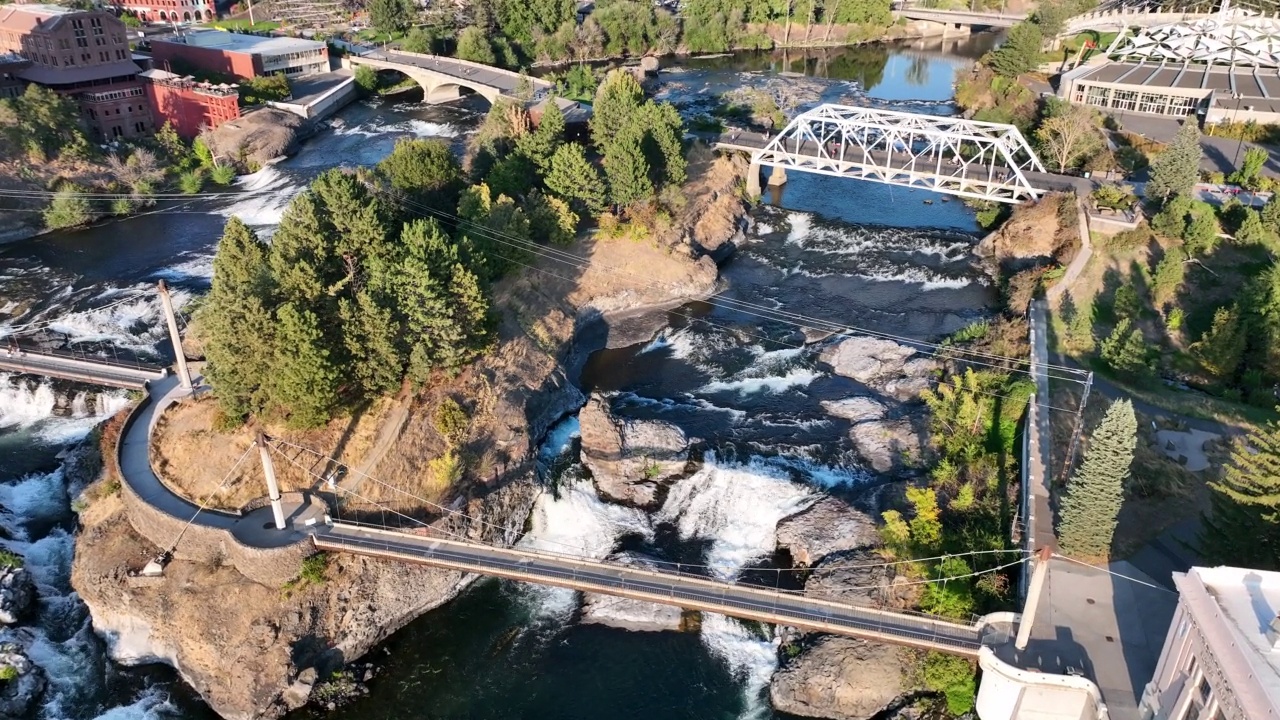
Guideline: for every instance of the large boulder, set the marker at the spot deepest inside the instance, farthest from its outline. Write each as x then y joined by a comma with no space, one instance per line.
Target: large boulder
827,526
840,678
857,577
19,696
630,614
630,460
855,409
887,445
17,593
881,364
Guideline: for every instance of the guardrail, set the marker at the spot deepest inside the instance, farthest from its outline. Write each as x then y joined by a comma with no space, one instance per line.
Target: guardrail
698,592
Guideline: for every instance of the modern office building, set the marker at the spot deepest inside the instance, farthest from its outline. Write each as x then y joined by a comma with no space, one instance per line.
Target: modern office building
84,54
1221,658
240,55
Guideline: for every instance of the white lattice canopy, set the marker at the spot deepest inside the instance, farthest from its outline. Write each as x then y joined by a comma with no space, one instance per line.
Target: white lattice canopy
1223,40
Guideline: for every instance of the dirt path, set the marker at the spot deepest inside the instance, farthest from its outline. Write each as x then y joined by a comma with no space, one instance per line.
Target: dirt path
387,436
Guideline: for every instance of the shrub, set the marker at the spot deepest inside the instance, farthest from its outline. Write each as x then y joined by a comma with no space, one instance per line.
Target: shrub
8,673
445,470
224,174
191,182
954,678
452,421
10,559
314,568
68,209
122,206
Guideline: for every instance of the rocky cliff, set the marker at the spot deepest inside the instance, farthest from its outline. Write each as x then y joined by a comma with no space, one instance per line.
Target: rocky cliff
254,651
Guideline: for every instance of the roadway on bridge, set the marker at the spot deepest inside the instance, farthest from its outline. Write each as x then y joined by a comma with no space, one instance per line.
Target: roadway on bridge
657,586
961,17
504,81
95,371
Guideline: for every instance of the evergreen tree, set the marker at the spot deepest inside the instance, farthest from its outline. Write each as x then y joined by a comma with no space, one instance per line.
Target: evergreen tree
474,46
1221,349
361,227
426,171
423,294
372,337
391,16
1170,273
236,322
1096,491
304,380
1262,303
550,219
541,144
1252,231
614,108
572,177
1020,51
1201,235
470,313
1171,221
1244,529
1271,214
513,176
1176,170
663,130
1125,350
302,251
627,170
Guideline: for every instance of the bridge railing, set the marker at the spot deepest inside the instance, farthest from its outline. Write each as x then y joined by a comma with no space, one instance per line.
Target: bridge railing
21,349
578,562
867,619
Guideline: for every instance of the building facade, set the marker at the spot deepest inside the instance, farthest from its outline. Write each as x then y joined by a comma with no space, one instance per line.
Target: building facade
188,105
240,55
11,85
84,54
1221,658
169,11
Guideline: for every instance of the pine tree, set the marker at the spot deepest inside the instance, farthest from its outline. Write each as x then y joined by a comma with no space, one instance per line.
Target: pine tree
373,340
1252,231
662,131
1020,51
1221,349
627,171
237,325
1201,235
361,226
550,219
1170,273
1171,221
541,144
1125,350
572,177
470,313
1262,305
302,251
1271,214
304,382
614,108
1245,526
1176,170
1096,491
513,176
426,171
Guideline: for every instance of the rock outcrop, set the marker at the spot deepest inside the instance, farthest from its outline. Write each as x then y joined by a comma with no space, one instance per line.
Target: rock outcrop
20,696
17,593
630,460
828,526
882,365
840,678
887,445
856,409
629,614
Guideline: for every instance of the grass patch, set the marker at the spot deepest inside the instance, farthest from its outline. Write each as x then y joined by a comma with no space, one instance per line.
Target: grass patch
243,25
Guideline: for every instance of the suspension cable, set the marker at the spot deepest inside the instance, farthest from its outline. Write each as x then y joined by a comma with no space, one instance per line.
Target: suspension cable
205,502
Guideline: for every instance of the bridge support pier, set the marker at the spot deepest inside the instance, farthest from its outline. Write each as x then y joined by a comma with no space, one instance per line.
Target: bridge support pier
753,180
777,176
273,487
167,303
1038,576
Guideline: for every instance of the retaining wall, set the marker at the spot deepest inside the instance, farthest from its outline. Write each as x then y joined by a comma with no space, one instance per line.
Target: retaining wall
201,543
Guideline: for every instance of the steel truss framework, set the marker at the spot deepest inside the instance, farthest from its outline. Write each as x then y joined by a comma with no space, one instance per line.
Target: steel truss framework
982,160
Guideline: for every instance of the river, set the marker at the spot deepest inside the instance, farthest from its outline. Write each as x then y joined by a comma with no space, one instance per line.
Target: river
863,254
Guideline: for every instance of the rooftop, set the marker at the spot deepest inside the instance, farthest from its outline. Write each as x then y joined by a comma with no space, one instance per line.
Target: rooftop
1246,82
24,18
81,73
243,43
1246,602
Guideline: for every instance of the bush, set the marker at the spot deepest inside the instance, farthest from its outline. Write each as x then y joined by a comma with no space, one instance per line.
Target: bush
366,78
954,678
191,182
8,673
223,174
122,206
314,568
10,559
69,208
445,470
452,421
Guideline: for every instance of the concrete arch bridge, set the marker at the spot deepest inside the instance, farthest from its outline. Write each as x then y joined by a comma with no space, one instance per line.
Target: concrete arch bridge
444,78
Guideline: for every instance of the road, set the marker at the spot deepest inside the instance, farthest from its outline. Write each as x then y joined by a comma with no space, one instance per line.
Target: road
90,370
505,81
668,588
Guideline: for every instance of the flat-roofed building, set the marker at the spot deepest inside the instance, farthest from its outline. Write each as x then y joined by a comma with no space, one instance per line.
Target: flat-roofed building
1221,658
190,106
10,84
240,54
1219,93
84,54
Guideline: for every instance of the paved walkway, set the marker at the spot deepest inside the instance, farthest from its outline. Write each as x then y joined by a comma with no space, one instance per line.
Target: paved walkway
1039,475
665,587
256,529
80,369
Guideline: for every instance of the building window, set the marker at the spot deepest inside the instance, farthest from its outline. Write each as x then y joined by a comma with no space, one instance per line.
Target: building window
1204,690
116,131
1151,103
1096,96
1124,99
140,127
1181,105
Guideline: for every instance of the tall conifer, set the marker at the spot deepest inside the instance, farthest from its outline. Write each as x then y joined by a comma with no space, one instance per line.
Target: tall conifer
1096,492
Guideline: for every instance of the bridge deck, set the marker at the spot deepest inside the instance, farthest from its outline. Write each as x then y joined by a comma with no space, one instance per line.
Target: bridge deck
961,17
98,372
666,588
504,81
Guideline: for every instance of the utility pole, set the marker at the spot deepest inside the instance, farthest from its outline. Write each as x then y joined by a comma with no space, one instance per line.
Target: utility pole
1075,434
167,302
273,488
251,22
1039,575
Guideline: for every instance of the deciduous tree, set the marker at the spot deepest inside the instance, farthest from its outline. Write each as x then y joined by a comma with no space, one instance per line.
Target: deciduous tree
1070,136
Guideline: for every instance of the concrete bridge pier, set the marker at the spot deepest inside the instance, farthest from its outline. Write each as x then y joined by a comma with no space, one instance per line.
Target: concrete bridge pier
753,180
777,177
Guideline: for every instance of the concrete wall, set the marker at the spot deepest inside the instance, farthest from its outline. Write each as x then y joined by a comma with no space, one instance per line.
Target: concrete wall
270,566
1009,693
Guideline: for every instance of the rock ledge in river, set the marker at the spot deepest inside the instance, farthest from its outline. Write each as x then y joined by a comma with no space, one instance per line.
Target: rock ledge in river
881,364
840,678
828,526
630,460
17,593
626,614
887,445
20,696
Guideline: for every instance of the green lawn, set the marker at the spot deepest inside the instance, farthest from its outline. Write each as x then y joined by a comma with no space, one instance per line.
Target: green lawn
244,24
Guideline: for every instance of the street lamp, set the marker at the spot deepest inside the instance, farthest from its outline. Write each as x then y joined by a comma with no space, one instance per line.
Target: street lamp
1235,117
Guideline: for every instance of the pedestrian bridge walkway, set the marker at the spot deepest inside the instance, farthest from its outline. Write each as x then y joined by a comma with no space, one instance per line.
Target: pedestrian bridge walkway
667,588
80,368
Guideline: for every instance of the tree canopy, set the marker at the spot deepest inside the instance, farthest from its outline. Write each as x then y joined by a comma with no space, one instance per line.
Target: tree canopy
1096,491
1176,170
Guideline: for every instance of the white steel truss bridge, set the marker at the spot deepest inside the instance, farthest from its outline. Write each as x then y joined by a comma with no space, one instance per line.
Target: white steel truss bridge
968,158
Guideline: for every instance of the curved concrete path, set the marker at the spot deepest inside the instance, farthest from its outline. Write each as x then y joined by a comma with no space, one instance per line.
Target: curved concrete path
254,529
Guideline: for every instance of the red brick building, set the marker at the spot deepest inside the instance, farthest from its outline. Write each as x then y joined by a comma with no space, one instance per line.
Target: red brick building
189,105
169,11
240,54
84,54
10,64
